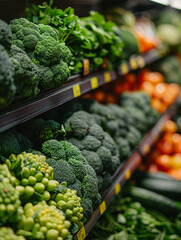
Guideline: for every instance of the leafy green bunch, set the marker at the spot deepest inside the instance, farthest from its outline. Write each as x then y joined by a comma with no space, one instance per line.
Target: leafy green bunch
91,37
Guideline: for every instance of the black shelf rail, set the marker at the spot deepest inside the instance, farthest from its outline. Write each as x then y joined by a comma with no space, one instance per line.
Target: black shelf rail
24,110
126,170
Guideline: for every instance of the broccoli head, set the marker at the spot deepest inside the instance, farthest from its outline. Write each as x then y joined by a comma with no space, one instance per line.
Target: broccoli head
63,172
7,86
66,54
13,142
54,149
26,73
48,31
94,160
5,35
47,51
78,167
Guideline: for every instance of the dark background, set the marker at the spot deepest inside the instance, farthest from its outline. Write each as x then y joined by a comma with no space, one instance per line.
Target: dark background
10,9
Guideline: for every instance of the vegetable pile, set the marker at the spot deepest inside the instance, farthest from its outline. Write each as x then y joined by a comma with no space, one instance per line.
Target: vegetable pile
127,219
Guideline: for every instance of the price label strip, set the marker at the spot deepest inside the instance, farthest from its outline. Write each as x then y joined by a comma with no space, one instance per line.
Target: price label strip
133,63
107,77
124,68
94,82
81,235
146,148
102,207
117,188
76,91
127,174
140,61
86,67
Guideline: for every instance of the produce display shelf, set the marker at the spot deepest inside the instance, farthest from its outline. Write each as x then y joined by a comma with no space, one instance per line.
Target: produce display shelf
76,86
126,170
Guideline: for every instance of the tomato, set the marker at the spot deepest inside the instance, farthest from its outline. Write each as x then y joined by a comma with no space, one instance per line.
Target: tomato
153,168
175,173
170,126
163,163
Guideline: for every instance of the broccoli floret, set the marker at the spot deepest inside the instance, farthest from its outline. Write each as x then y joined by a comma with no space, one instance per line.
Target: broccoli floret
62,171
91,143
47,51
91,171
111,127
61,73
123,146
17,24
79,168
7,86
30,41
89,187
106,157
45,77
100,182
115,163
93,160
77,143
54,149
5,35
77,185
86,203
110,144
47,30
47,131
97,132
72,151
107,180
96,200
78,124
66,54
26,73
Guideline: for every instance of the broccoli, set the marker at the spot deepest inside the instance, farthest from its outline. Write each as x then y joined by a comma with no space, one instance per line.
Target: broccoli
26,73
66,54
100,182
97,146
107,180
86,203
77,143
96,131
47,51
78,124
40,42
91,143
47,30
70,166
78,167
94,160
105,156
63,172
54,149
7,86
5,35
13,142
123,146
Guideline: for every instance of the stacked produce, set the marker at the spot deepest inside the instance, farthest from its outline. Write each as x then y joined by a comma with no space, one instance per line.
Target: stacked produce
162,94
43,222
67,200
127,218
10,204
70,166
170,68
7,233
90,37
166,155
